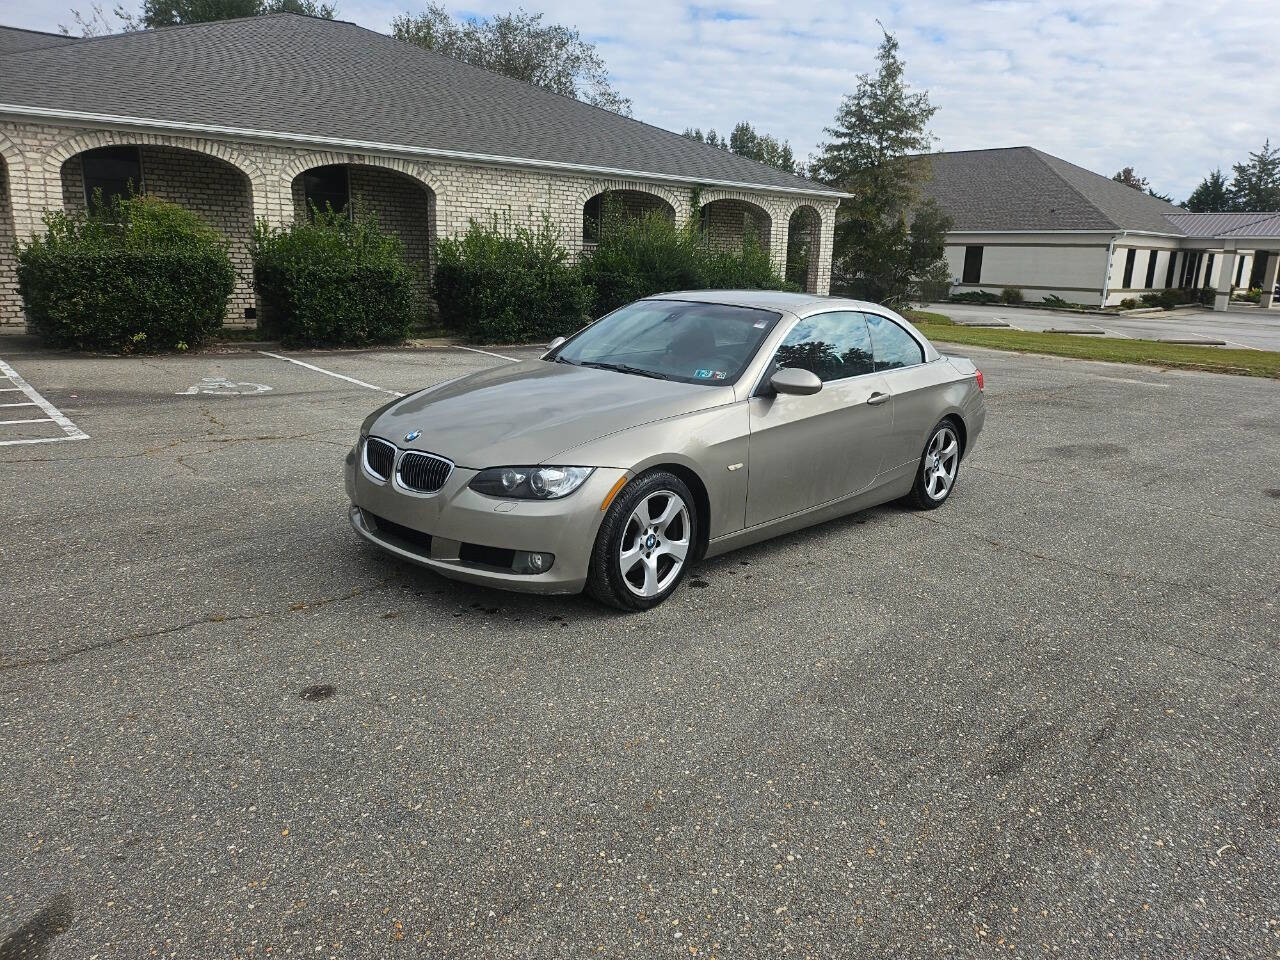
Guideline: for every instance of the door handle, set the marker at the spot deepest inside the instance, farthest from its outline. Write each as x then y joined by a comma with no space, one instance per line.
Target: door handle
877,398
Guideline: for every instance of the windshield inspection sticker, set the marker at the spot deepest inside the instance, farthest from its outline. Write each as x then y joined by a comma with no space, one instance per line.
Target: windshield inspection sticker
710,374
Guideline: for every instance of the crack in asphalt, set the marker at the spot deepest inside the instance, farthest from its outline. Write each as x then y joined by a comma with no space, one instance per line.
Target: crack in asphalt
294,607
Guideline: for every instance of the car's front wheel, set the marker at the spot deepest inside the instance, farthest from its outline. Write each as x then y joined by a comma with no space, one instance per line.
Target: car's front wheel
939,466
645,544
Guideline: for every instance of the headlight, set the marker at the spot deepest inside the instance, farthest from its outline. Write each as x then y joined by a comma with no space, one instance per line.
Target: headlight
530,483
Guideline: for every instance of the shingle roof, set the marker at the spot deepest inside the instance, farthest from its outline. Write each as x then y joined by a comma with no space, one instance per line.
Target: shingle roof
1021,188
13,39
322,79
1212,225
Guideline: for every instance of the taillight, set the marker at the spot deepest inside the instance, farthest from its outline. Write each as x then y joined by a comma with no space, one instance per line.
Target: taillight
978,374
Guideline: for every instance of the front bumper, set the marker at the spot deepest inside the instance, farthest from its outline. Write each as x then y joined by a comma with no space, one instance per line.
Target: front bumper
457,516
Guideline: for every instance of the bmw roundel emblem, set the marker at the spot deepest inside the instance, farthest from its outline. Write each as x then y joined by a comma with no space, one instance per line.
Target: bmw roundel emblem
412,435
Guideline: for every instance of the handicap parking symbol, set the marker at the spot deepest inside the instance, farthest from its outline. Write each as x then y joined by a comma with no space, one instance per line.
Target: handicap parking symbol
222,387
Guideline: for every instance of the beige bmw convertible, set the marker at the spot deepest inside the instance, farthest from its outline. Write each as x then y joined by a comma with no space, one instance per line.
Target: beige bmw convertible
675,428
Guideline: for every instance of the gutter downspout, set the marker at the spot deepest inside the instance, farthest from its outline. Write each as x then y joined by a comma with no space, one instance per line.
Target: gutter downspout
1106,274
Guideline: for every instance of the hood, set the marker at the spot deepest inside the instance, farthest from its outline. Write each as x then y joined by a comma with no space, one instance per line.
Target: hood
528,412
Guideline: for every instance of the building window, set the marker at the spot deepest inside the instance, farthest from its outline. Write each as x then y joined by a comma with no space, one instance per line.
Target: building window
972,265
115,171
1128,268
1208,272
592,212
326,188
1239,268
1152,256
1168,274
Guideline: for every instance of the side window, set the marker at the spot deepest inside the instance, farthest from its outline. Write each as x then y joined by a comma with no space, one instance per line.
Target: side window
893,346
831,345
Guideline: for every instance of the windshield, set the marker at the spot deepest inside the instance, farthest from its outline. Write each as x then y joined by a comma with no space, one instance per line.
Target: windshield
672,340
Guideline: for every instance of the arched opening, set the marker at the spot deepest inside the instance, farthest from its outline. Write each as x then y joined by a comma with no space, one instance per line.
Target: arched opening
803,248
10,300
402,205
727,224
627,204
213,189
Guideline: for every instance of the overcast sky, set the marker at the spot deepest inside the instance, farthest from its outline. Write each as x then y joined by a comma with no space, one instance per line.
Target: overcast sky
1171,87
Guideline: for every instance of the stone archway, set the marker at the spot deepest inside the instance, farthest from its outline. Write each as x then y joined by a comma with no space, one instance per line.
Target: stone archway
215,189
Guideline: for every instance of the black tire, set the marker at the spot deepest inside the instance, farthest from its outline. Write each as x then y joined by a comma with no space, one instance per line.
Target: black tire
605,580
928,491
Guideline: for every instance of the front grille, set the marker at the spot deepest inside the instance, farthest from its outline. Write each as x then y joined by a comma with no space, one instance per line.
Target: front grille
409,535
379,457
423,472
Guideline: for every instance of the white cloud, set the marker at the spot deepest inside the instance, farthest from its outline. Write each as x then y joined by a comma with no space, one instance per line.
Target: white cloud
1171,87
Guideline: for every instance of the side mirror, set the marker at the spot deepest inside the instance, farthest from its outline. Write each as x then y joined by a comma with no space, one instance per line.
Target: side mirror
794,380
555,343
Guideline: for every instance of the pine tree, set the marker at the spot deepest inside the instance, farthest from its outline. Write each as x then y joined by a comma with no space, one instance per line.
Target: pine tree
885,237
1255,184
1211,196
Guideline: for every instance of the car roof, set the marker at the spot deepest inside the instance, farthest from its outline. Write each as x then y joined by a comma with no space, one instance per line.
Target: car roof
799,304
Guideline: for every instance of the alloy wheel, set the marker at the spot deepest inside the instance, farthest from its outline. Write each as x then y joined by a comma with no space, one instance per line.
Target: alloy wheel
941,459
654,544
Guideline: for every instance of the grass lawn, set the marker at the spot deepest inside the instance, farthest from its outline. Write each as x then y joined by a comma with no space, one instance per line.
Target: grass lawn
1252,363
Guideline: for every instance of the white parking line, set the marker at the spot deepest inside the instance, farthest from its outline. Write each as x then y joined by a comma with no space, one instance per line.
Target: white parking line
488,353
330,373
54,415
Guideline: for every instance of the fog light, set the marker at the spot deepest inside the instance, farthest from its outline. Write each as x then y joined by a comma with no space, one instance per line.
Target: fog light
532,562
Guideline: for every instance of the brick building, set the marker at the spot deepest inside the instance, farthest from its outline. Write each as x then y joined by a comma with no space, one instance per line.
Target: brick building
252,119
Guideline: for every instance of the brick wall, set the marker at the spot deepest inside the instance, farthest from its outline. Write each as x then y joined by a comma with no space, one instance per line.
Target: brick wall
10,301
727,222
458,192
212,189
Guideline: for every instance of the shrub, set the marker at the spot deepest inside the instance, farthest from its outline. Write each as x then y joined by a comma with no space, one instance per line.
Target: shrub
1011,295
1165,299
1252,295
133,274
975,296
1128,303
332,280
1053,300
504,285
640,257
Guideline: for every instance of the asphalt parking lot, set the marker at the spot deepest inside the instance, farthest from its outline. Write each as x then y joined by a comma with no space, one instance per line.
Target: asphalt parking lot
1041,721
1242,326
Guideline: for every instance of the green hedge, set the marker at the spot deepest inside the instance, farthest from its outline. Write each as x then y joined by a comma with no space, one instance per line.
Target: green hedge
333,280
500,284
135,274
640,257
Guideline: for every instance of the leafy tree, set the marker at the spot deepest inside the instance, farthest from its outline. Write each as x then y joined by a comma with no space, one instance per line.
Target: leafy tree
168,13
518,45
1130,178
885,237
1255,184
762,147
746,142
711,139
1211,196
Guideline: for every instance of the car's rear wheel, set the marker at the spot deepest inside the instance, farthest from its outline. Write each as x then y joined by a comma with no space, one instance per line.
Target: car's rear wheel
645,544
939,467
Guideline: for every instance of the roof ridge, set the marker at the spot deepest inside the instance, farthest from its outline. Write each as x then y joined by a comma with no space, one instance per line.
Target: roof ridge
172,27
44,33
1040,157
